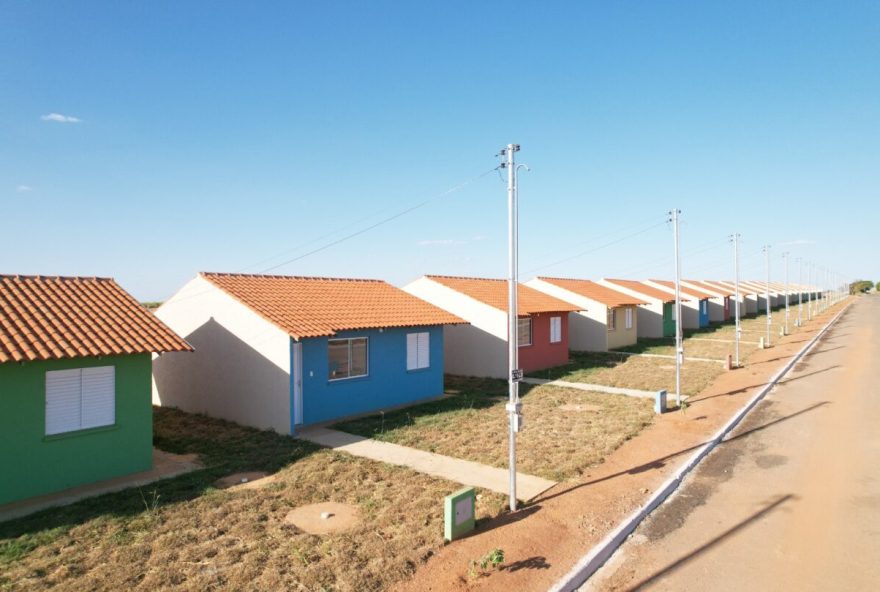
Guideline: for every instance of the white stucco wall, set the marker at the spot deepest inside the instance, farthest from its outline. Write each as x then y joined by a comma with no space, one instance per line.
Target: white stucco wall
240,369
716,302
478,349
690,306
587,329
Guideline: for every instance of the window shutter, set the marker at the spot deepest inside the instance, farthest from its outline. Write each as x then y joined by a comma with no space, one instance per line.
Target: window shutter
555,329
98,397
63,409
424,351
412,349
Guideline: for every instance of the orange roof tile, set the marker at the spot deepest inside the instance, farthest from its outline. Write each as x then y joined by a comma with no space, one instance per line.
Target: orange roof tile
51,318
594,291
494,293
685,290
717,288
315,307
645,290
743,289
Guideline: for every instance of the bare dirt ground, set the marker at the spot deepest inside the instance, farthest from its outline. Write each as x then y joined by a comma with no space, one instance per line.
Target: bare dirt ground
791,501
544,539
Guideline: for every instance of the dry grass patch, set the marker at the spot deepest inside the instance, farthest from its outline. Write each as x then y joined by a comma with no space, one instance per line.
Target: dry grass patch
635,372
566,430
696,346
184,534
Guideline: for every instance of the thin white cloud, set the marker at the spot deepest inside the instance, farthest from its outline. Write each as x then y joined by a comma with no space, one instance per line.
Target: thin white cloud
444,242
58,117
800,241
23,188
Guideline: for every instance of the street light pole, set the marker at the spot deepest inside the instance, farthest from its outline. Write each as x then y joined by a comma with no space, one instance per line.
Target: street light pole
514,405
767,290
785,257
735,238
679,350
800,261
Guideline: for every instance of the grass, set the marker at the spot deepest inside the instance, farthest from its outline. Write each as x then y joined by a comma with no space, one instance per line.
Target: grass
184,534
648,374
558,441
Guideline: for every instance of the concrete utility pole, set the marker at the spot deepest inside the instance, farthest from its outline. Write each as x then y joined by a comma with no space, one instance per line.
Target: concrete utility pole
514,405
785,258
800,261
810,293
735,239
679,350
767,290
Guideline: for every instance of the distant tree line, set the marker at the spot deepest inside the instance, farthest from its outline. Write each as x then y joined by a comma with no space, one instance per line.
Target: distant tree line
860,286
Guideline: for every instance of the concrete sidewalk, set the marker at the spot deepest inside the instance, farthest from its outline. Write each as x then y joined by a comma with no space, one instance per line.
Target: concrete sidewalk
165,466
454,469
601,388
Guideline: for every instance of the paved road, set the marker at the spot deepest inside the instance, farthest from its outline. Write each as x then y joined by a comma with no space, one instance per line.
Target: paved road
792,500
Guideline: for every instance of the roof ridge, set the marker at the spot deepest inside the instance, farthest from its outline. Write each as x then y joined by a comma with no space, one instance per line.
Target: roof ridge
42,277
465,277
288,277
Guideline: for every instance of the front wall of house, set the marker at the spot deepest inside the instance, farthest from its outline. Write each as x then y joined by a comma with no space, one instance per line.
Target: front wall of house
33,464
621,336
388,383
541,353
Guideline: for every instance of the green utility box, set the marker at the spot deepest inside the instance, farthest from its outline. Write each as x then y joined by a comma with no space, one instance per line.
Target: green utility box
459,511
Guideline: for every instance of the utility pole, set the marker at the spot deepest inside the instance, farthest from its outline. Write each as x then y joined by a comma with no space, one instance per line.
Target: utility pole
679,350
785,258
800,261
514,405
735,239
810,288
767,290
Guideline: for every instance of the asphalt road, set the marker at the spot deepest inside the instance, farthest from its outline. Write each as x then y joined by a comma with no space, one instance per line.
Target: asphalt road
791,501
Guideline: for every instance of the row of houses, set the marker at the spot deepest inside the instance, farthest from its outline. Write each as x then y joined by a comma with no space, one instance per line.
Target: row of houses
81,361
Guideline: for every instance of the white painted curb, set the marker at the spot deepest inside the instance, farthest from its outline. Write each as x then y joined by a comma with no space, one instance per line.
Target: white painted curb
598,555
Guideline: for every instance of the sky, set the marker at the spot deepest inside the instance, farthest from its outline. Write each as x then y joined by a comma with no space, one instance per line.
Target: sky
147,141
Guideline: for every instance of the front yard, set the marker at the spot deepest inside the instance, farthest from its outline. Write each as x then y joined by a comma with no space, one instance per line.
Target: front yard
566,430
185,534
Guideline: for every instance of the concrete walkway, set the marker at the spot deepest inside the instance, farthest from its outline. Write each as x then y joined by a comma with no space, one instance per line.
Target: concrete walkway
593,387
670,357
721,340
454,469
165,466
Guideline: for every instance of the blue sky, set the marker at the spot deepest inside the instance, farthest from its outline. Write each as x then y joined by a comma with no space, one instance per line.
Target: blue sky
230,136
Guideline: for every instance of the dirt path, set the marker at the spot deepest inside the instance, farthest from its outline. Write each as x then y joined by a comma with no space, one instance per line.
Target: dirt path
543,540
791,501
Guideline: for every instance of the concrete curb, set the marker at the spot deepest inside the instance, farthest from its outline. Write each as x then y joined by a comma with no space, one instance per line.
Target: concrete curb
600,553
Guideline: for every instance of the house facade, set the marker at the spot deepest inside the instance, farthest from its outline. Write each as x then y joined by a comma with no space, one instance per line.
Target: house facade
278,352
74,383
720,304
480,347
608,319
657,316
695,300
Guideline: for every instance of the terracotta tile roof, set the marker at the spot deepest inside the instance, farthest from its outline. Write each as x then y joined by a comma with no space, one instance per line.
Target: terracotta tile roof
645,290
723,284
315,307
723,290
494,293
594,291
51,318
685,290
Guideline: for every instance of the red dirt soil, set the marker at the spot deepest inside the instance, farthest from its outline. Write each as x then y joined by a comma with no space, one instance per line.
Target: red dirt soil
544,539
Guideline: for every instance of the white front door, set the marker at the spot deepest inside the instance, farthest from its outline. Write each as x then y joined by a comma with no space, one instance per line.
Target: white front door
297,384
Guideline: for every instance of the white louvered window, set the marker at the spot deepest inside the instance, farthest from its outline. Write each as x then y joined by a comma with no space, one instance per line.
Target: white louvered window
418,351
629,318
555,329
80,399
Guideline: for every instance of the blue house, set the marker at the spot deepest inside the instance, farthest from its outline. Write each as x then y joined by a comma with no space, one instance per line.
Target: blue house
279,352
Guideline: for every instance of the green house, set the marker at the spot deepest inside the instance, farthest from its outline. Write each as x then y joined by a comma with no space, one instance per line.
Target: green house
75,383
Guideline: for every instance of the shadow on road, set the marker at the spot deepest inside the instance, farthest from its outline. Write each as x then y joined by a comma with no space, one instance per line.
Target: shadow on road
679,563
